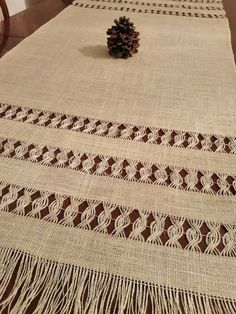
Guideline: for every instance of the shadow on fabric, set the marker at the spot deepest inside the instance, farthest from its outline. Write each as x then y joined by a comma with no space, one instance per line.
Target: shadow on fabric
95,51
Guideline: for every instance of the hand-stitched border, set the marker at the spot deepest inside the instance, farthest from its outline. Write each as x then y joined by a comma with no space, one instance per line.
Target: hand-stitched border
152,227
167,10
199,181
120,130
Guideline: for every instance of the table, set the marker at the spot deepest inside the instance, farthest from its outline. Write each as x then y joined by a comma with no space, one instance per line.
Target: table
17,27
230,8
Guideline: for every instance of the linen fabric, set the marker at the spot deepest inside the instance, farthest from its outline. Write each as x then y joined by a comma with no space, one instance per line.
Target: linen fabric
118,177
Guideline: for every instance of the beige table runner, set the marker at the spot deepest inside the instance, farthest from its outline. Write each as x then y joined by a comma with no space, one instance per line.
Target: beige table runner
118,177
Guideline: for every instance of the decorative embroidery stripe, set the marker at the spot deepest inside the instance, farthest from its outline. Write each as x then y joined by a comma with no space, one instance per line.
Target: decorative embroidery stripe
162,5
125,169
152,227
150,135
176,10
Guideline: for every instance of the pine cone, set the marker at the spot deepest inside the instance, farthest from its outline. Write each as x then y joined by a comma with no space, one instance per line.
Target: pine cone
123,40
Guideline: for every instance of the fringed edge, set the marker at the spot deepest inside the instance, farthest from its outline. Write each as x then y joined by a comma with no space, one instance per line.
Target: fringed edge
35,285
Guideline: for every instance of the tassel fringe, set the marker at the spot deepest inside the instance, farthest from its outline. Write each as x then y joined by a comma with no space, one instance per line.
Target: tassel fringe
30,284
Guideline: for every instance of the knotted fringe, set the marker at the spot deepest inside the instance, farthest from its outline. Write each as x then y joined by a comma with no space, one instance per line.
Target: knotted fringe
30,284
